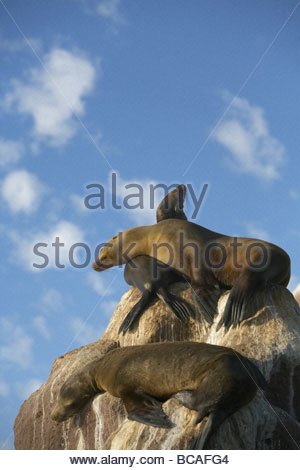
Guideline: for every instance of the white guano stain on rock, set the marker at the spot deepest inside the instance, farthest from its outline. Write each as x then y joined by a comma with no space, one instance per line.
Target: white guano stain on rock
270,338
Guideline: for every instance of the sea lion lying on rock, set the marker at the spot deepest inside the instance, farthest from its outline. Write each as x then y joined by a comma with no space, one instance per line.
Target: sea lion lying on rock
213,380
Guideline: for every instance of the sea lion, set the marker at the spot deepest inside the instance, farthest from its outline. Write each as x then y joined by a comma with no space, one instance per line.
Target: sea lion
171,207
210,260
213,380
153,278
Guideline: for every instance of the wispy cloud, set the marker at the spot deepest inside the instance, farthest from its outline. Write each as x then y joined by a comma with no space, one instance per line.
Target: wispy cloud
245,134
49,304
19,45
15,344
294,194
257,232
110,10
78,204
83,333
4,388
68,233
25,389
10,152
40,323
52,94
139,192
97,284
51,301
108,307
22,191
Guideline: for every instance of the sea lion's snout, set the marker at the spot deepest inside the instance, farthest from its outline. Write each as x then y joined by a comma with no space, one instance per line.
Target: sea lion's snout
57,416
97,266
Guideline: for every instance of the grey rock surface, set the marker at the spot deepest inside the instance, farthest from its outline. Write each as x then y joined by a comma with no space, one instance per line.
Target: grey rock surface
271,339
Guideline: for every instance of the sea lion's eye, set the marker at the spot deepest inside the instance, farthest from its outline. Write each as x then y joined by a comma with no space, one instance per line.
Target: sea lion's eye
114,237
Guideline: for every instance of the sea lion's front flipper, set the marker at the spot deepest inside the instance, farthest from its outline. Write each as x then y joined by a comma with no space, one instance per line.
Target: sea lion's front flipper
241,293
136,312
206,299
179,306
213,422
171,207
146,409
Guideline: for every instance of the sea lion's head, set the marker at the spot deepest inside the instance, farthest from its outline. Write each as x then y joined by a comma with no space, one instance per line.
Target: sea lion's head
70,400
108,255
119,249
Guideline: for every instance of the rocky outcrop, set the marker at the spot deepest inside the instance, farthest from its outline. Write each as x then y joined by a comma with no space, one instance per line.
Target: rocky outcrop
271,339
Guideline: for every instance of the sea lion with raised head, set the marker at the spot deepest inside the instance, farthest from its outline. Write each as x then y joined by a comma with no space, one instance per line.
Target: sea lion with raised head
153,278
213,380
209,260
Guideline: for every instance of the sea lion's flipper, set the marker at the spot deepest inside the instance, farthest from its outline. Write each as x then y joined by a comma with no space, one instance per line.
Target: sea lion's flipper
238,300
213,422
136,312
146,409
179,306
206,299
171,207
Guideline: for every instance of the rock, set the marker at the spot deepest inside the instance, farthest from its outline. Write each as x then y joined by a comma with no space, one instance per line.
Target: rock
271,339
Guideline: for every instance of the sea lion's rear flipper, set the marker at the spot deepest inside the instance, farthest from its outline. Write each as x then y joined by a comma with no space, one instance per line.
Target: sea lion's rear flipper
146,409
179,306
213,422
171,207
136,312
206,299
241,293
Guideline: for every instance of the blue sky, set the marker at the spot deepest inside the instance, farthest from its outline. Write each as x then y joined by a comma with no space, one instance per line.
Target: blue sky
138,87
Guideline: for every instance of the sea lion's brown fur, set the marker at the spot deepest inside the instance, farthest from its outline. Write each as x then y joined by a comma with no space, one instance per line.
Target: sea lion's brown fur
214,380
240,270
153,280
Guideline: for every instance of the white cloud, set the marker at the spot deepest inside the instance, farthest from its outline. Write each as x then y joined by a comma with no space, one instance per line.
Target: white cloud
97,284
10,152
40,324
83,333
24,390
68,234
15,344
4,389
246,135
22,191
110,10
53,93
